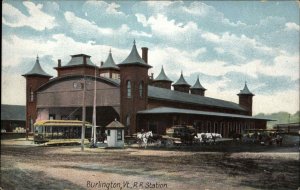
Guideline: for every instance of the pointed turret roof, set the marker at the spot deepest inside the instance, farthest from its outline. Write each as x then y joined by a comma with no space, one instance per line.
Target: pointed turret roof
181,81
37,70
245,91
162,76
109,63
198,85
134,58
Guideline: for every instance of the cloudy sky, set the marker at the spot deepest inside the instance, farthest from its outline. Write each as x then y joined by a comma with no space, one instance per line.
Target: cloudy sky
225,43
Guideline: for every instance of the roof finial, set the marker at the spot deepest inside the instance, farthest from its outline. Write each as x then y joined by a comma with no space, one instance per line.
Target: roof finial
245,82
109,50
133,41
181,71
37,57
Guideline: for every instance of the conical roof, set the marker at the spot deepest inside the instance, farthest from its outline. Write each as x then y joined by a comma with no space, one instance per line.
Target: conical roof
181,81
162,76
109,63
134,58
37,70
198,85
245,91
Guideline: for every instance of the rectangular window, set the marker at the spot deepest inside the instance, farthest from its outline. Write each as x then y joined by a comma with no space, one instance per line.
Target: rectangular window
119,135
104,75
51,116
31,96
115,76
108,132
128,89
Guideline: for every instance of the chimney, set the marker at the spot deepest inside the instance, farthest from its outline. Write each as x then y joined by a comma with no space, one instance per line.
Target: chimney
145,54
59,63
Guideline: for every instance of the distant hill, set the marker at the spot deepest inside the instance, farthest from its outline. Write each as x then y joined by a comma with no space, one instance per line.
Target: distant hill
281,117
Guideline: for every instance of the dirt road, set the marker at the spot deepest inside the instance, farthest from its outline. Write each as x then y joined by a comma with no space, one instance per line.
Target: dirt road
27,166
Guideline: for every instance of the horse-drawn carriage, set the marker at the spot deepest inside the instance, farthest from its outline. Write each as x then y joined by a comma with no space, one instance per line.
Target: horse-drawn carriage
180,134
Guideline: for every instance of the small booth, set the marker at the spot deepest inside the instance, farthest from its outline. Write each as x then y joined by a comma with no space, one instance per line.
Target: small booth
115,134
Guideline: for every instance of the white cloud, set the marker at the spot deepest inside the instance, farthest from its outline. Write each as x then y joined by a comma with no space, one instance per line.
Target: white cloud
109,8
141,33
161,6
37,19
113,8
82,26
238,46
199,9
219,50
291,26
142,19
169,29
203,10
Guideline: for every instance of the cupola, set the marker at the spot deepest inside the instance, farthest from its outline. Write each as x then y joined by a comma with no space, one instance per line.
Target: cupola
198,89
246,99
162,81
181,85
109,68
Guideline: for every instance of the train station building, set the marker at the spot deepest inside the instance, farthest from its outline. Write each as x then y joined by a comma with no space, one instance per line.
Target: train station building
126,92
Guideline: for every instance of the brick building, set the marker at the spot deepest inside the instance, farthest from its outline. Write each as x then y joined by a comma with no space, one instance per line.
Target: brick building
126,92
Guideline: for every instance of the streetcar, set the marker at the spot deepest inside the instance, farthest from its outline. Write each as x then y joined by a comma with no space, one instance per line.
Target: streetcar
60,132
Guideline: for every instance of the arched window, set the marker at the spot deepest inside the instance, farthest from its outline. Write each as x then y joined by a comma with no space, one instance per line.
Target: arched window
141,88
31,95
128,89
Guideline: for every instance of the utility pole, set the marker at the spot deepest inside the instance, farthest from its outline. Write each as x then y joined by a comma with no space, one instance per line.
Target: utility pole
83,115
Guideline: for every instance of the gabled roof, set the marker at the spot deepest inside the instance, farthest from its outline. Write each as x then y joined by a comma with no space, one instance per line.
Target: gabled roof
181,81
176,96
198,85
78,59
37,70
115,125
168,110
134,58
245,91
109,63
162,76
13,112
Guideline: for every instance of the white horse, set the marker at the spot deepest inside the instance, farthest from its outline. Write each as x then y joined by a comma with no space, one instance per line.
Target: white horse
143,137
